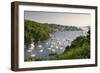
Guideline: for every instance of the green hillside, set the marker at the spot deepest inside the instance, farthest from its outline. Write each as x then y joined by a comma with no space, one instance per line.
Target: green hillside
36,31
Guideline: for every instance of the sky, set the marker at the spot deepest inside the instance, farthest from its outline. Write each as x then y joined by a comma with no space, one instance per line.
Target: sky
68,19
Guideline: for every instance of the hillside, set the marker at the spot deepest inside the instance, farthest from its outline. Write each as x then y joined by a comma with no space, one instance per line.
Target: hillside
36,31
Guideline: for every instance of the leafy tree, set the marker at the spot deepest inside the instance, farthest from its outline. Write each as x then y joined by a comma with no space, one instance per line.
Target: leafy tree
36,31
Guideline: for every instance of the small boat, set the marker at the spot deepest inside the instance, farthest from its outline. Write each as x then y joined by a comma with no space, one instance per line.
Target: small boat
33,55
41,50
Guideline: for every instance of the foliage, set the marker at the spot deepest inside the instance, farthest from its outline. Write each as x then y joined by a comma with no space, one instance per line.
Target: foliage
79,49
28,59
36,31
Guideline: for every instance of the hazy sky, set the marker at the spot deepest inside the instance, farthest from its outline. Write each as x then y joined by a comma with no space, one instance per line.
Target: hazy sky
70,19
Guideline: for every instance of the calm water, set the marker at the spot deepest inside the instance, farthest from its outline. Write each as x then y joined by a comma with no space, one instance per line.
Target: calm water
58,40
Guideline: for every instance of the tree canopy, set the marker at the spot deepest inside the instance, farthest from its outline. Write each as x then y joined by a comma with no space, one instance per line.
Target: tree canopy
36,31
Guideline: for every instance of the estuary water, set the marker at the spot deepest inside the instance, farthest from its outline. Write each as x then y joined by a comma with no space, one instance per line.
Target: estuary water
57,43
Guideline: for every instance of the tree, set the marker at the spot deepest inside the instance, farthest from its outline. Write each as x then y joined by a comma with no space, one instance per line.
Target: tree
35,30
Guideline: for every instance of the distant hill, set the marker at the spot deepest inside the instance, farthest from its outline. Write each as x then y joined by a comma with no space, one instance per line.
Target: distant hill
63,28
